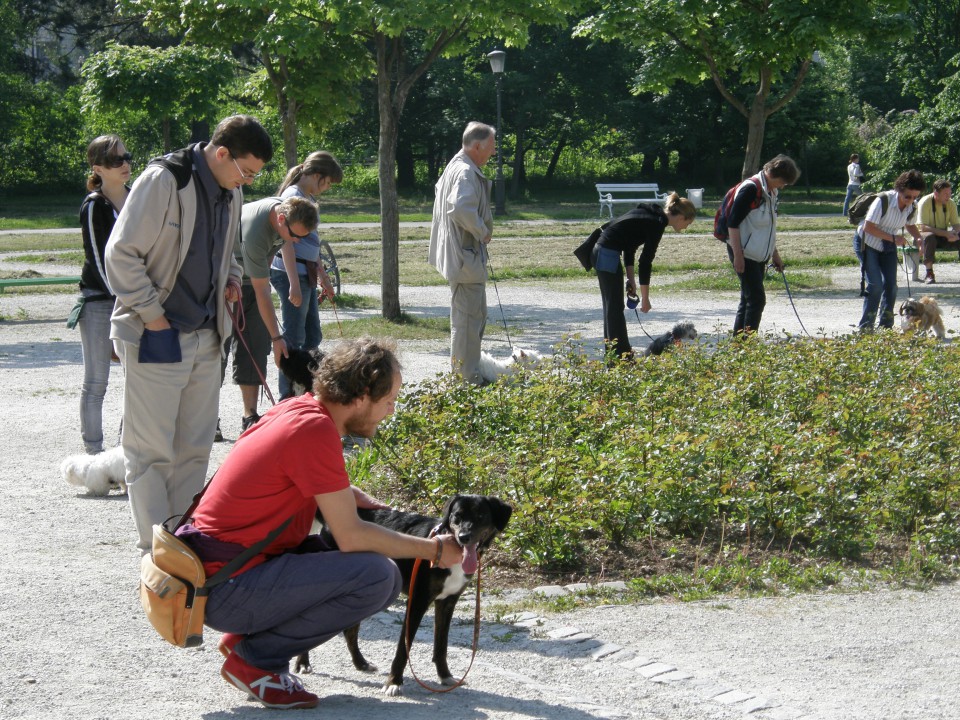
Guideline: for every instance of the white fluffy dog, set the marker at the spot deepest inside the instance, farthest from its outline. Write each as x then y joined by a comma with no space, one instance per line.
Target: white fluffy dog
491,368
98,473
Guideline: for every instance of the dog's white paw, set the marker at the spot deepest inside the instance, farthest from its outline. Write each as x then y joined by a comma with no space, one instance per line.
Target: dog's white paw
448,681
392,690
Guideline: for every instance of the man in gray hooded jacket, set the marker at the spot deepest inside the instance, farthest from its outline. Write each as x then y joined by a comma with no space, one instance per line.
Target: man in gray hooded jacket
462,227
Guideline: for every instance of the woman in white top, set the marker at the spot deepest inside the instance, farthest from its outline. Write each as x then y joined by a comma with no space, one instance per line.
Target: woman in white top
854,181
882,233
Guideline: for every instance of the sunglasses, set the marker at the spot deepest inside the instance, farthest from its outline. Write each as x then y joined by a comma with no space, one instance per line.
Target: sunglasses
298,237
115,161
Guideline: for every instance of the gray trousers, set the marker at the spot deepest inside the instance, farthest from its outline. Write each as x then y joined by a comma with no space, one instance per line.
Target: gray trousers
468,318
169,419
97,347
294,602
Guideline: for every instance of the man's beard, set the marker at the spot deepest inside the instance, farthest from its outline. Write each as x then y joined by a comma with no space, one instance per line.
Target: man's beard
361,426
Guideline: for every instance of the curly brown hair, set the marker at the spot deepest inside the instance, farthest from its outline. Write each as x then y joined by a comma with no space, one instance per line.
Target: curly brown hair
355,368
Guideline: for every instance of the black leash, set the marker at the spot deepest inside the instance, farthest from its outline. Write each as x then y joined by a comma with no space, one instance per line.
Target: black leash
792,303
632,302
483,249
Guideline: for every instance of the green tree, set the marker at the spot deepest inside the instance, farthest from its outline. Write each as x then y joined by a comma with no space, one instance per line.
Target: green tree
757,54
303,68
404,38
164,84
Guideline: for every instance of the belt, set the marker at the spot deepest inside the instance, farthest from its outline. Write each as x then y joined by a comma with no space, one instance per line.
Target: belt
299,260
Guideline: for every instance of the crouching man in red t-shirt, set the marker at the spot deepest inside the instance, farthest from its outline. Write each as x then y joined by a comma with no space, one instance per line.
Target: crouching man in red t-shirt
296,594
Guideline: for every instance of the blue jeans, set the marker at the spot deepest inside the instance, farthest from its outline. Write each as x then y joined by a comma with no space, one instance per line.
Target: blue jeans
852,190
294,602
881,271
97,348
301,325
753,296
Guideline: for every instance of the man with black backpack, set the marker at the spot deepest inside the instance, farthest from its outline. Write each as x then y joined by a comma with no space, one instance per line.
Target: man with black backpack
170,260
880,234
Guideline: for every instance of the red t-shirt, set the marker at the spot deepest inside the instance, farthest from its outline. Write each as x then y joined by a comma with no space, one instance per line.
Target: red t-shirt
274,471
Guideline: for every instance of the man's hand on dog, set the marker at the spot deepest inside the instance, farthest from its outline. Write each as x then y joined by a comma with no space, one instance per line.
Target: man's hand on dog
367,502
452,552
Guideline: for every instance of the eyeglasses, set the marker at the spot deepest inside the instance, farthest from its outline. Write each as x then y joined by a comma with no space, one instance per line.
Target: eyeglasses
245,176
293,234
115,161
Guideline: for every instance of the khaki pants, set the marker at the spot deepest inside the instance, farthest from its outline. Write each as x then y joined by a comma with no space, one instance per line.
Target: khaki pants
468,318
169,419
930,243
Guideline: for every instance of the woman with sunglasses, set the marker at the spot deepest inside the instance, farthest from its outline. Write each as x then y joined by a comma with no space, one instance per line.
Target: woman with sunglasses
109,173
296,269
880,234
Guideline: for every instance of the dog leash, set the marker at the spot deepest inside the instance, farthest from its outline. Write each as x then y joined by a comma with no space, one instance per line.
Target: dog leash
792,303
632,302
239,323
406,627
335,313
486,256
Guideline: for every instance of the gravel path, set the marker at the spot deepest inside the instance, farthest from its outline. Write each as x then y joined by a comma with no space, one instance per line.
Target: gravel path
77,646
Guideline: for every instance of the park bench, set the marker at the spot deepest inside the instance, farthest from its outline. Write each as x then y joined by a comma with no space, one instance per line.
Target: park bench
636,193
52,280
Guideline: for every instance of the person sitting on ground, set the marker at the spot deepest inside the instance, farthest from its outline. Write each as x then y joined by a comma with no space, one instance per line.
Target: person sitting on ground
266,225
298,593
939,225
881,231
643,225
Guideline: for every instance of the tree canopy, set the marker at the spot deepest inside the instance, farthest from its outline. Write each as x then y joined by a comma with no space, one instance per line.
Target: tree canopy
757,53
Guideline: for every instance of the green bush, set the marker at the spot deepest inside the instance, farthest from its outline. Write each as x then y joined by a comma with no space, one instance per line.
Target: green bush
826,447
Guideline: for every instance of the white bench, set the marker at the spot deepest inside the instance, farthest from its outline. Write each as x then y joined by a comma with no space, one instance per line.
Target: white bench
638,193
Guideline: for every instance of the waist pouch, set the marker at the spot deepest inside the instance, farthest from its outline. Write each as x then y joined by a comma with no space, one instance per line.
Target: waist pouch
160,346
174,586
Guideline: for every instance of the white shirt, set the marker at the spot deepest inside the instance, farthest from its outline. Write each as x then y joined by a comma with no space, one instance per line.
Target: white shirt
891,222
854,173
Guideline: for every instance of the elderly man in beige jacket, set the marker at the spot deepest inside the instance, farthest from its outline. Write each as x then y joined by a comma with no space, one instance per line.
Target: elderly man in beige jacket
462,227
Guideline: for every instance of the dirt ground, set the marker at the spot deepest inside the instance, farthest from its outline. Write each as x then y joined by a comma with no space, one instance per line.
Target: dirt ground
77,645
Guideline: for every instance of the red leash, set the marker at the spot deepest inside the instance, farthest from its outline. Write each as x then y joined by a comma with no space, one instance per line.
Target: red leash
239,323
408,640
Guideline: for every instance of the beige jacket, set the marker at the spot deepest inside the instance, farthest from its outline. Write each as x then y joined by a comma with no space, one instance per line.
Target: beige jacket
148,246
462,218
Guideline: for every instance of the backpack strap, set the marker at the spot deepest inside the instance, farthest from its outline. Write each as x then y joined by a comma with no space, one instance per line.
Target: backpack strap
240,560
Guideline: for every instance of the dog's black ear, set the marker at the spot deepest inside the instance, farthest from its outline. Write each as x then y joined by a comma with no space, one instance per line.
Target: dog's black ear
500,511
445,513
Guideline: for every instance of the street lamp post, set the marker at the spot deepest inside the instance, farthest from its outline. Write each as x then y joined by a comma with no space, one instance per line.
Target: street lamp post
498,59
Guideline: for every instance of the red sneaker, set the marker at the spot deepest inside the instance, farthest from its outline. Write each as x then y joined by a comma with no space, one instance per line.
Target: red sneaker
228,642
273,690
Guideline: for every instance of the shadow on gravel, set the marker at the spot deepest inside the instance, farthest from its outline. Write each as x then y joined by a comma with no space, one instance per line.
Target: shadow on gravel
41,354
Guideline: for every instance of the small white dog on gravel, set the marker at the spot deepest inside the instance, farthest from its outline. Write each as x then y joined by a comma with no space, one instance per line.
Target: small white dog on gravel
491,368
98,473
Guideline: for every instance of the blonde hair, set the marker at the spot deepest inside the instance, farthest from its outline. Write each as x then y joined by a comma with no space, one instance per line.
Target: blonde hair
319,163
677,205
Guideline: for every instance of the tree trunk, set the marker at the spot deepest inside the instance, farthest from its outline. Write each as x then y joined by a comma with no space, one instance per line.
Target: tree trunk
389,209
554,159
516,181
756,125
165,129
288,115
406,168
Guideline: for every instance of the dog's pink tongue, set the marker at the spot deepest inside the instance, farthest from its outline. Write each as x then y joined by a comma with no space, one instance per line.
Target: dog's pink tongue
469,563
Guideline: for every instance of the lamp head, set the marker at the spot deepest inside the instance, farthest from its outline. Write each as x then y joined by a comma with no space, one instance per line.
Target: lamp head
498,59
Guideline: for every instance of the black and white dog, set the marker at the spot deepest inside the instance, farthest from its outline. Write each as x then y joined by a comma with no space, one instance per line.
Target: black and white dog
682,332
474,520
299,367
